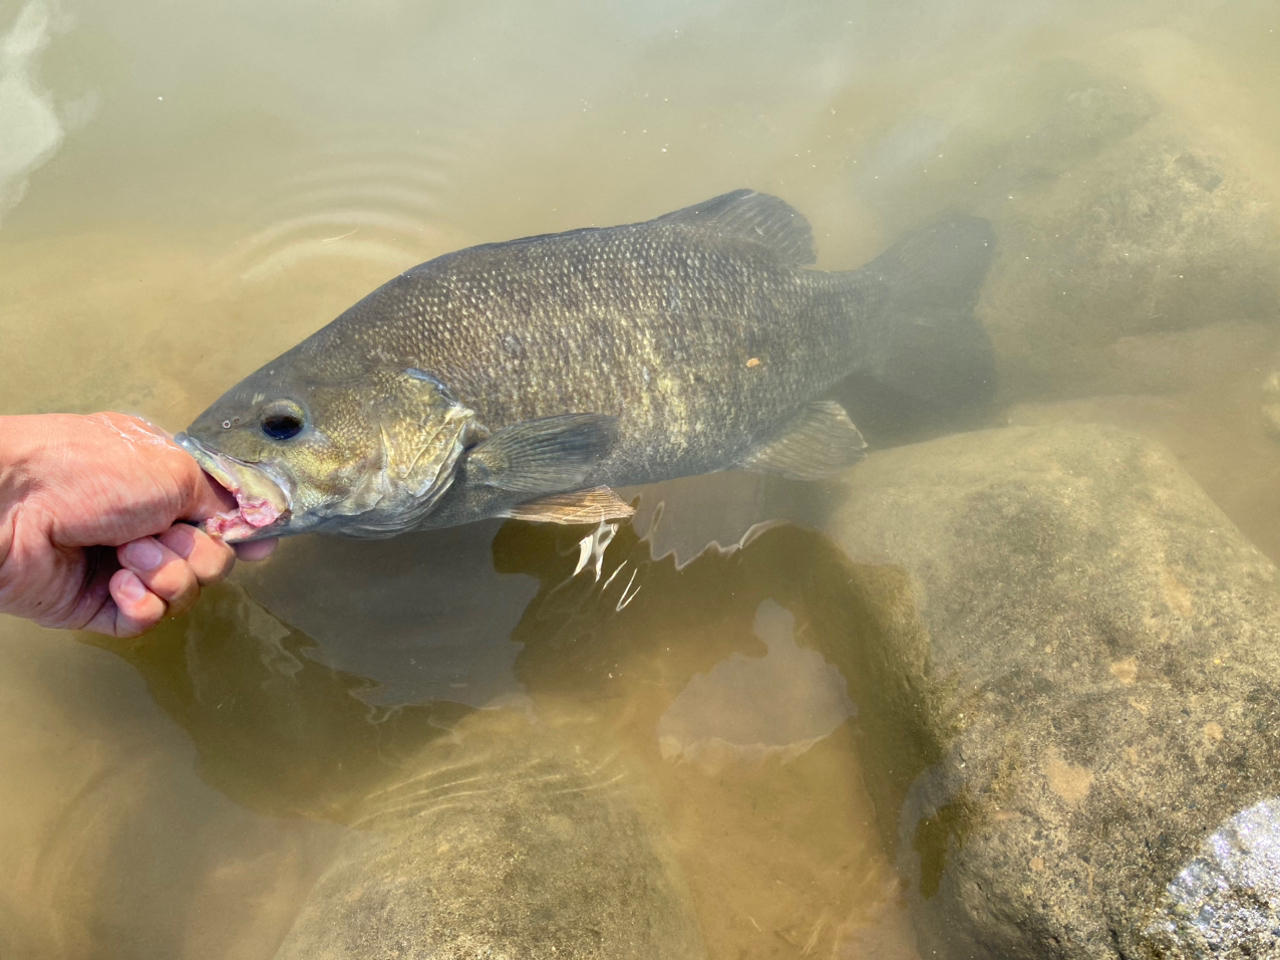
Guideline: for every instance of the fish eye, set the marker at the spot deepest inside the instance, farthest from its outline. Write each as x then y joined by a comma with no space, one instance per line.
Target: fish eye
282,420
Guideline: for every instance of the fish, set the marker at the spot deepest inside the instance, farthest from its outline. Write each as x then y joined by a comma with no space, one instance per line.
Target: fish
533,378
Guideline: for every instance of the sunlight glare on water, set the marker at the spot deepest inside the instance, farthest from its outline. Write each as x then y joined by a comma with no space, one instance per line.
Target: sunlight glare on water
188,189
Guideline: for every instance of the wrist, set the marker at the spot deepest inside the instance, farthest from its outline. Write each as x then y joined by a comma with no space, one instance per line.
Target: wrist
19,447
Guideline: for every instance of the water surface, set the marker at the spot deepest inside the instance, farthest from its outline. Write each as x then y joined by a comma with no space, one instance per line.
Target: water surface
188,189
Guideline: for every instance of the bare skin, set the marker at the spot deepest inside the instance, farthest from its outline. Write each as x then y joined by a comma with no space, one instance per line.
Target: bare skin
96,524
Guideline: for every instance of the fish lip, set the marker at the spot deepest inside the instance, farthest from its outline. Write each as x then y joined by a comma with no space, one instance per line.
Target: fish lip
264,498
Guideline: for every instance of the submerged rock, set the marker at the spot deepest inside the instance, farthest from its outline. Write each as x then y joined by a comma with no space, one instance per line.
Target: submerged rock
1079,657
1271,404
1156,235
1120,219
505,840
1226,899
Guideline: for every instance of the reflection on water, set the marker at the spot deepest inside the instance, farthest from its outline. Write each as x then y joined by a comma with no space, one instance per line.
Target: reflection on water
33,130
423,617
188,189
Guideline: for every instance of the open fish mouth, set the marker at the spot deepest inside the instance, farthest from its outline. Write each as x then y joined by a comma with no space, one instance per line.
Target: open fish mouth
263,501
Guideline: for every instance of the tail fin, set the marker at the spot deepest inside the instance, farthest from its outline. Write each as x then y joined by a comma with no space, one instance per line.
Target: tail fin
924,343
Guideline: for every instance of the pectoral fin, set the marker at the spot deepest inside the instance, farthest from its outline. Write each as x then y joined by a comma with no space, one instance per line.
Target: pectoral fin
583,506
818,441
543,456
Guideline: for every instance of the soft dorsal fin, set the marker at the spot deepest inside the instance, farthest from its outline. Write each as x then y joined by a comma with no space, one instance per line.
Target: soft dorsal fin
753,216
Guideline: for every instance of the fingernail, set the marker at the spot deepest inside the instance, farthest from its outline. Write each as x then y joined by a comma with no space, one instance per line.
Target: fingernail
131,588
144,554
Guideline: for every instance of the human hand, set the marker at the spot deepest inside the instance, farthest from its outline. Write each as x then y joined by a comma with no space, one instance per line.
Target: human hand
91,524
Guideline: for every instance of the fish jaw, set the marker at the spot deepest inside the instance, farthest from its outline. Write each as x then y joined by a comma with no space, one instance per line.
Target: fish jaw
263,502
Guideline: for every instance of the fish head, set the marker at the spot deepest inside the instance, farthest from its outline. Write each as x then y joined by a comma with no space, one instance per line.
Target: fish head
367,454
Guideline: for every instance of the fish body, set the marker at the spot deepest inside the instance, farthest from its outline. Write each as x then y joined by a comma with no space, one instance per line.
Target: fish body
527,378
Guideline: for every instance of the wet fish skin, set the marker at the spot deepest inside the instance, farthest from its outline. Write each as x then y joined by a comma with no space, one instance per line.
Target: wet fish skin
479,383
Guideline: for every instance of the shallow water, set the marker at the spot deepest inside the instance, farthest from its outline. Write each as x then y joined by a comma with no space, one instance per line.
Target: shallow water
188,189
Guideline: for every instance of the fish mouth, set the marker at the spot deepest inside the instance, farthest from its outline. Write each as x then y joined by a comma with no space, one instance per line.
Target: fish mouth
263,499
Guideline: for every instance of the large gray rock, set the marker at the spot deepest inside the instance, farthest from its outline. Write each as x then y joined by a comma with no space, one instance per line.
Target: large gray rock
506,840
1072,677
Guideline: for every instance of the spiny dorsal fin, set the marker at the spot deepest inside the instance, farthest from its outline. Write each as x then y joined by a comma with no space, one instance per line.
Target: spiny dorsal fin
753,216
818,441
582,506
543,456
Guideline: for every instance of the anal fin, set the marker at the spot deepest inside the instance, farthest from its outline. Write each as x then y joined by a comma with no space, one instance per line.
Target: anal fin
820,440
582,506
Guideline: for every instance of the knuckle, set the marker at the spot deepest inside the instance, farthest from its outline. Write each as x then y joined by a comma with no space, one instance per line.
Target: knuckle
214,564
181,539
173,581
127,629
136,619
181,604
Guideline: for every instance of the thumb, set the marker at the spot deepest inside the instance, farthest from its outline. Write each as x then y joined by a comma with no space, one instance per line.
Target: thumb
201,495
150,450
210,497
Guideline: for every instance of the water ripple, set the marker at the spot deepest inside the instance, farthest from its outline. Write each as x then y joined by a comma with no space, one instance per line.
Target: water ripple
387,205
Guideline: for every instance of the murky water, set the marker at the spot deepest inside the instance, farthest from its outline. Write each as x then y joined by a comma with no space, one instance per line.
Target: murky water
187,189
